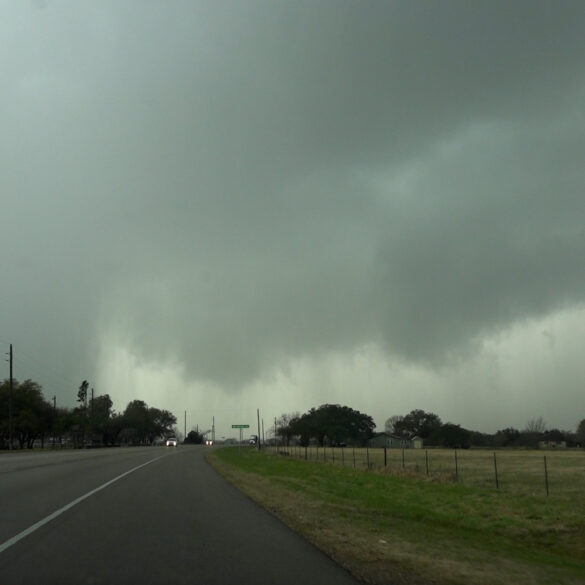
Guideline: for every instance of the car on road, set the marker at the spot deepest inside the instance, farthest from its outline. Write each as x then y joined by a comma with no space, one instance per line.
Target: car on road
171,442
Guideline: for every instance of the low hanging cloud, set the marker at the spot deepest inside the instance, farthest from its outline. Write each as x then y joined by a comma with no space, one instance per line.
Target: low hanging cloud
234,186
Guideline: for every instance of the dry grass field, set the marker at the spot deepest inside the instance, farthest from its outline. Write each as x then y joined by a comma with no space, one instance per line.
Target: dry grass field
520,471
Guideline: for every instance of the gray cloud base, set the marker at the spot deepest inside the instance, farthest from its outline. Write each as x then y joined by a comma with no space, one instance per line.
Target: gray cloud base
239,184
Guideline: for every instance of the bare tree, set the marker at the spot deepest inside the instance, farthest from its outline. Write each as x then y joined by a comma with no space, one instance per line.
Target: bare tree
536,425
283,428
390,424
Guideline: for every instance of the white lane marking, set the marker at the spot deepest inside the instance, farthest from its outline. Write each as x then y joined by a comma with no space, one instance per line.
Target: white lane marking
60,511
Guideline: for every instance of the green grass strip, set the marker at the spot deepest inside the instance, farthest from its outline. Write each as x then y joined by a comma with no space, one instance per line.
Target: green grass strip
403,529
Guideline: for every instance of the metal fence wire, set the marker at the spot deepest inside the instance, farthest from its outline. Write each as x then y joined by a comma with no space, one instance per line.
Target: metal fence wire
523,471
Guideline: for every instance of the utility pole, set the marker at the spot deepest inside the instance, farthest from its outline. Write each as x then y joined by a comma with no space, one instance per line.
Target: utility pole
213,431
54,419
10,404
185,427
258,416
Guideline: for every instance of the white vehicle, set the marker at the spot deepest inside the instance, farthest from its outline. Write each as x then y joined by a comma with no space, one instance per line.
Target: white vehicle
171,442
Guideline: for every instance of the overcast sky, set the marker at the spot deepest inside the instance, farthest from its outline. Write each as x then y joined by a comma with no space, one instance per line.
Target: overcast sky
223,206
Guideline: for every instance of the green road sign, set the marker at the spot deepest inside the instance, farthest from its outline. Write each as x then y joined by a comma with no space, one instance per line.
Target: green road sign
240,426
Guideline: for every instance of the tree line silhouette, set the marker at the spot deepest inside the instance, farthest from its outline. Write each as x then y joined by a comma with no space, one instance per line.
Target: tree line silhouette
31,419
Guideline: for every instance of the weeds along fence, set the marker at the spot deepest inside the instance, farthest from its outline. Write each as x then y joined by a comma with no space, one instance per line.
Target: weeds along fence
522,471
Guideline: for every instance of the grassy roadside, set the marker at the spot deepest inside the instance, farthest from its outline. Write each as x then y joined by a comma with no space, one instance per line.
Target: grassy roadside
400,530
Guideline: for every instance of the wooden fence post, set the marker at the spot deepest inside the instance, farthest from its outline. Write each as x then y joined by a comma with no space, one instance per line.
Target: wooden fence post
496,471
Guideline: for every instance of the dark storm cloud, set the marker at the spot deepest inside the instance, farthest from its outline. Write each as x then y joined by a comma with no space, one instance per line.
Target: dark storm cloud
494,238
238,184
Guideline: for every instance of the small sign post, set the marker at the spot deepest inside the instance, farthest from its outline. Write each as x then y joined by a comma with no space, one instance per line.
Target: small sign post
240,427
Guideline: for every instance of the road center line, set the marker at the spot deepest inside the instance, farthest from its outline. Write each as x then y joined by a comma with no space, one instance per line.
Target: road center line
60,511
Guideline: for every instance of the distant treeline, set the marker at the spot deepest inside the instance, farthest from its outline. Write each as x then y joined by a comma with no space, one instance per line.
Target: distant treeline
92,422
335,424
429,426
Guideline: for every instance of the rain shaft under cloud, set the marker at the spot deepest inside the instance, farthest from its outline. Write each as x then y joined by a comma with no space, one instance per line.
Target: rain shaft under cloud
232,187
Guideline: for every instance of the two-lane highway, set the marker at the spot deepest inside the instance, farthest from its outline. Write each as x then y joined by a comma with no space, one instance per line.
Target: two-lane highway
145,516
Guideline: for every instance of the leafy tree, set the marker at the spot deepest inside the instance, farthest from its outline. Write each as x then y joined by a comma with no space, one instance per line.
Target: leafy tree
571,438
580,434
47,422
301,428
30,412
529,439
335,423
81,411
82,393
454,437
142,424
506,437
103,421
113,428
162,422
554,435
418,423
481,439
101,410
63,421
135,422
194,438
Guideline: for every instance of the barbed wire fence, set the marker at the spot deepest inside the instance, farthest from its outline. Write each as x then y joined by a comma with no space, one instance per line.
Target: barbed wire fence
528,471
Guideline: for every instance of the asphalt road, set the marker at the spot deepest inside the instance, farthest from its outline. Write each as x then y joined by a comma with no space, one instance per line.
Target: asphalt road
146,516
